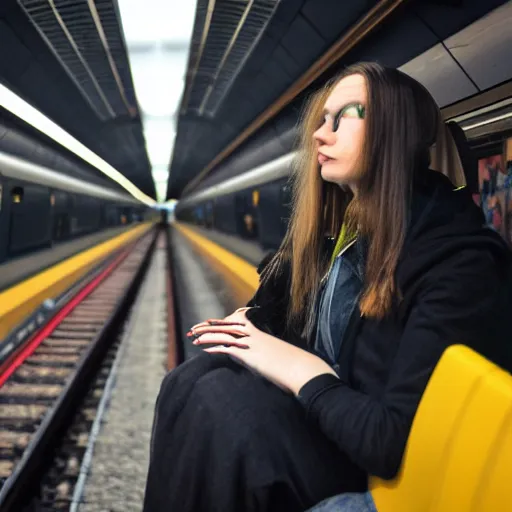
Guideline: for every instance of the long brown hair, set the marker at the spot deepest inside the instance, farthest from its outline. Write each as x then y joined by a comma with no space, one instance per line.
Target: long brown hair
402,124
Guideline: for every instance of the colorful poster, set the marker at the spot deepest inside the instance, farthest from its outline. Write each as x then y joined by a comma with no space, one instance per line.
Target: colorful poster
495,178
508,185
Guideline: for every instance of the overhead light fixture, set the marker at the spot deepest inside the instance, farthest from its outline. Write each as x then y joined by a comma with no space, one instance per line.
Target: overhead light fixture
488,121
30,115
481,111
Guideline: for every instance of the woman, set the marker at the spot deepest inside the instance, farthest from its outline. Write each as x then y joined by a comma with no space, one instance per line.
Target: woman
315,386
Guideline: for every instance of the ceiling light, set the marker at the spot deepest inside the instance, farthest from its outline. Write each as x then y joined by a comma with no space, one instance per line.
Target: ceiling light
488,121
27,113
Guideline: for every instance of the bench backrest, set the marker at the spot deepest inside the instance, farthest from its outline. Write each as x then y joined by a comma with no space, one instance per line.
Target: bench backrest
459,452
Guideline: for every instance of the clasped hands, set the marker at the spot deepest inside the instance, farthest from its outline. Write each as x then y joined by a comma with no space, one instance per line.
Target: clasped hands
282,363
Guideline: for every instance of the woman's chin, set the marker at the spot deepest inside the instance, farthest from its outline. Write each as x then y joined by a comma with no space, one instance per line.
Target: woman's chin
329,174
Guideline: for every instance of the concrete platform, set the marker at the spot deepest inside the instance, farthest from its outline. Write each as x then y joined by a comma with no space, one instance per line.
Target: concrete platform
23,267
201,293
249,250
117,475
115,480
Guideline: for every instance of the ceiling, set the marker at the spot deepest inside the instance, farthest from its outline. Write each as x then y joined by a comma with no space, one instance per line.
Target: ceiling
238,66
145,83
68,59
157,34
243,55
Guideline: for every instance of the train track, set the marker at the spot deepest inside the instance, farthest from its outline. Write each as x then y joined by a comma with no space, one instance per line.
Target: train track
44,386
60,480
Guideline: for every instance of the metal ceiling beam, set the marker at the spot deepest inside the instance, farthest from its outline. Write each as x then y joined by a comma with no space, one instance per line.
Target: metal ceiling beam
225,56
204,35
28,11
255,18
381,11
106,47
78,53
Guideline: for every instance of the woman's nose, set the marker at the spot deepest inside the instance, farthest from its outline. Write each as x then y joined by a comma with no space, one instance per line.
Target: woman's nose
324,136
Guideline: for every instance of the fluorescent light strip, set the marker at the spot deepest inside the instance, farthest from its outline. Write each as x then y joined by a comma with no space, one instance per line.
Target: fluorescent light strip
21,169
270,171
27,113
488,121
481,111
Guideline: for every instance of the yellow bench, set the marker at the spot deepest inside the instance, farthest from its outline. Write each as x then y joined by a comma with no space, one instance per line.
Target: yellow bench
459,453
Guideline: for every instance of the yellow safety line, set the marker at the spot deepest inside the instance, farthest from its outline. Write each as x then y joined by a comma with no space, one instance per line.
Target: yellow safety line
19,301
238,267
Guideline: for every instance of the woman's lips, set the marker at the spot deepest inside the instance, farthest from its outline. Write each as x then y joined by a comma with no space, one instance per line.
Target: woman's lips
322,159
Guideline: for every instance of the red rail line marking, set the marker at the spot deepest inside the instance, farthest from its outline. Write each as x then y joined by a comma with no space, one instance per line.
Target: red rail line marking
12,364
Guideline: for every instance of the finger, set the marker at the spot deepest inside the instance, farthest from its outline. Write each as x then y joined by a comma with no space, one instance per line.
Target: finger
223,349
234,344
221,339
206,322
215,321
234,330
224,322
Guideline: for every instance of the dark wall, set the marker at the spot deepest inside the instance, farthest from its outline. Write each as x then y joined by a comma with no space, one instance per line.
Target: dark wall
30,218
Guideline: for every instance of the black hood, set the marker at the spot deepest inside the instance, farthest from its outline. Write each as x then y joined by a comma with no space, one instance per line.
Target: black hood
444,222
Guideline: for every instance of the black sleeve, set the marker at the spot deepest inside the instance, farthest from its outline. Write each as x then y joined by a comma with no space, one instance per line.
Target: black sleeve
456,304
265,291
271,303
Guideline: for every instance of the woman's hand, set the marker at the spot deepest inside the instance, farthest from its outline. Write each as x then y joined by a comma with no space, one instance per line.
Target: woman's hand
287,366
231,319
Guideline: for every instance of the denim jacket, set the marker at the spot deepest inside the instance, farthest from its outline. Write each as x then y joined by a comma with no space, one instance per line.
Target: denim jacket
338,297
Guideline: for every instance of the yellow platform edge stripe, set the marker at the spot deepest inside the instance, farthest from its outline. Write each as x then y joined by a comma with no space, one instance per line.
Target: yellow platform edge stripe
237,266
20,301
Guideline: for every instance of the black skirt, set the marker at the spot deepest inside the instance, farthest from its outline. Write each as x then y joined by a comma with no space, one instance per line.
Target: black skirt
225,439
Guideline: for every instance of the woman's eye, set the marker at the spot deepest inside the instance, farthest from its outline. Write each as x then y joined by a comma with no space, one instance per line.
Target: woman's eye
351,111
354,111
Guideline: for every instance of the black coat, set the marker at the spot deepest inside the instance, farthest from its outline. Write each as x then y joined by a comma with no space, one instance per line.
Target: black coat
455,278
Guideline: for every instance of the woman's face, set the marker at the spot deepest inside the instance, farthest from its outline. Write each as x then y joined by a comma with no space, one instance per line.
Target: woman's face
340,137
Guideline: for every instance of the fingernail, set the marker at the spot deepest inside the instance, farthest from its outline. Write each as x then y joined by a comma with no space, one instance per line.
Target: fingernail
189,333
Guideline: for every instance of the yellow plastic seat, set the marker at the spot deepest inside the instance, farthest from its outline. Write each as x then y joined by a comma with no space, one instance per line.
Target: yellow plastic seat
459,453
